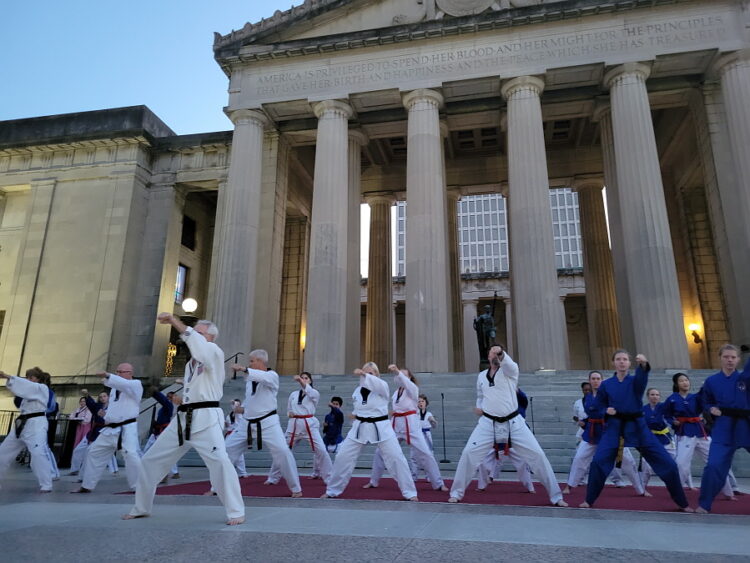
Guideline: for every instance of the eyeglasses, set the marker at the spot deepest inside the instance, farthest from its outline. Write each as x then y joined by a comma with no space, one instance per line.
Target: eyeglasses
124,371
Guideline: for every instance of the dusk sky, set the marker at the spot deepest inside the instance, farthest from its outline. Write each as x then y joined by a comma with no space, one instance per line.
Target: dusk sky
80,55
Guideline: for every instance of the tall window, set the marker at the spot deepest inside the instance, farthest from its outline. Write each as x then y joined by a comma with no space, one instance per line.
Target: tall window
567,228
180,285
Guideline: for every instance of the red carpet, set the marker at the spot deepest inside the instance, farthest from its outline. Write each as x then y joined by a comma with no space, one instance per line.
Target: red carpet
499,492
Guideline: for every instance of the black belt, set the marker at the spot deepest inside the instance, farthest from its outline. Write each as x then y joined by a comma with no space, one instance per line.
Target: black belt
734,413
118,425
624,417
21,421
188,409
258,429
501,419
371,420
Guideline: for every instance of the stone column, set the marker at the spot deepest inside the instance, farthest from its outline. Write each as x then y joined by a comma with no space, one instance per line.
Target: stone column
471,347
353,287
454,273
428,322
734,70
236,235
379,335
651,273
540,320
510,329
603,115
327,286
601,305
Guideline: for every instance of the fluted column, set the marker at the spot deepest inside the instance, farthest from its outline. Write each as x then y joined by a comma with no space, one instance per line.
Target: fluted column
510,330
379,324
471,346
601,304
734,70
540,319
454,272
428,322
236,234
649,257
353,288
325,352
603,115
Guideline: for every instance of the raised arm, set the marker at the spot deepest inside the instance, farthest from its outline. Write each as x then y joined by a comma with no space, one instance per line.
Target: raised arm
132,387
402,380
268,378
374,384
22,387
641,375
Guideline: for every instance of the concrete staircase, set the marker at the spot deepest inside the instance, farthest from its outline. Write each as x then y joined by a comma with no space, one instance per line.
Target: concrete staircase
549,415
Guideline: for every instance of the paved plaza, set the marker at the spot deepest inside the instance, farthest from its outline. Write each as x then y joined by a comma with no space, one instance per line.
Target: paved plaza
63,527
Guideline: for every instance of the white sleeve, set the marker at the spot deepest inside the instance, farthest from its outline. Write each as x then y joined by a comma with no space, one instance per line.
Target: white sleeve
480,394
509,368
402,380
200,348
22,387
132,387
313,393
375,384
269,378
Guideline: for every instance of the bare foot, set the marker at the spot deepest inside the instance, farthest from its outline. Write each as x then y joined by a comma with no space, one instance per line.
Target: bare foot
80,490
209,494
298,494
235,521
531,491
443,489
699,510
267,482
369,486
693,488
728,498
584,504
325,495
689,510
480,490
314,476
453,499
413,499
647,494
133,516
566,491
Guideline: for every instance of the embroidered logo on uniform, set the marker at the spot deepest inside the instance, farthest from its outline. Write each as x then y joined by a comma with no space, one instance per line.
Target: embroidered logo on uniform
741,386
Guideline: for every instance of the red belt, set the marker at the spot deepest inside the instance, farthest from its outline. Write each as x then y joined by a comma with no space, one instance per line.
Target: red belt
691,419
307,427
393,423
592,428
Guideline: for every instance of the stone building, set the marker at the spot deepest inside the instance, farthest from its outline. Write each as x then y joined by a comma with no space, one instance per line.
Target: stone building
339,102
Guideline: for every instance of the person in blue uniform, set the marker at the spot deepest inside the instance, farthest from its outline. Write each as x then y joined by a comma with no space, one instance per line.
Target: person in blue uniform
653,414
725,395
621,397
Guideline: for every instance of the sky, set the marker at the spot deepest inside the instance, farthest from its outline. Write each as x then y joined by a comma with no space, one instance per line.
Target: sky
63,56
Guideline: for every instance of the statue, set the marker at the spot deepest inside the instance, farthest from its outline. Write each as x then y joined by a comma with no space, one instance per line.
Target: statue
484,325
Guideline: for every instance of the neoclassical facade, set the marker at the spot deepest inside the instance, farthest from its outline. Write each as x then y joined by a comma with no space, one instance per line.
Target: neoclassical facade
341,102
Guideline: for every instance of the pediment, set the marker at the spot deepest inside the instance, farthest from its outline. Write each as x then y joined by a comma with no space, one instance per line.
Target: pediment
314,19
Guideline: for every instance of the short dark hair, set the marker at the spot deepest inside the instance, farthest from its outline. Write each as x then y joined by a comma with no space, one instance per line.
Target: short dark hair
675,377
425,399
338,400
620,351
584,383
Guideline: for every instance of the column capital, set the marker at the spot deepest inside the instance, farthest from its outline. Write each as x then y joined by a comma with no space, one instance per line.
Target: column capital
583,183
358,137
530,83
247,116
422,95
454,193
640,70
602,108
379,197
729,61
343,109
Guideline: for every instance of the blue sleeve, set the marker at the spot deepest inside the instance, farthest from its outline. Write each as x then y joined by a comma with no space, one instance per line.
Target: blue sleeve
745,374
641,380
161,398
668,412
707,397
601,401
92,405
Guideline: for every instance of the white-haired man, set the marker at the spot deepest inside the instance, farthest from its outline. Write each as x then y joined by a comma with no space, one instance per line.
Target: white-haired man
199,424
260,426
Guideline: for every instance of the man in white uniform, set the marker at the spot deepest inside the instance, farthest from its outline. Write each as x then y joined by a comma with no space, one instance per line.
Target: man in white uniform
30,427
198,424
500,422
260,426
120,430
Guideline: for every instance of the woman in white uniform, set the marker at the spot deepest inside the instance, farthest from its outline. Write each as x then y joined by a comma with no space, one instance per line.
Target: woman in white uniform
408,428
371,426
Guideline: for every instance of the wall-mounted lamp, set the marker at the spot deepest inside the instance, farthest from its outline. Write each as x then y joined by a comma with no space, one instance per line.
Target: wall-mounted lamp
694,333
189,305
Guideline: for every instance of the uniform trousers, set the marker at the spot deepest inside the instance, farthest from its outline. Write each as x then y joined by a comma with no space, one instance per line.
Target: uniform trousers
209,443
150,442
715,473
493,464
651,450
415,468
582,461
79,458
273,440
101,451
34,438
322,464
687,447
420,450
393,458
647,471
483,439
